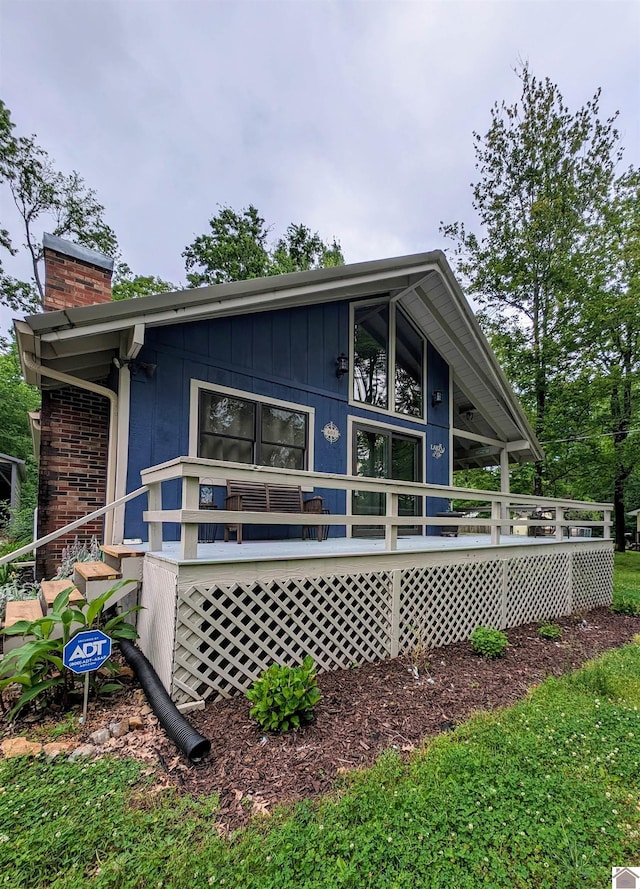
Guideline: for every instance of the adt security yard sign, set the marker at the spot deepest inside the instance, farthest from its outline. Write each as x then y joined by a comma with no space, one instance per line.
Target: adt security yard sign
86,651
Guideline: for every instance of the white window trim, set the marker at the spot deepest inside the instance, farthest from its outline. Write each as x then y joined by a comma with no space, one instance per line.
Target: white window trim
194,404
389,427
391,357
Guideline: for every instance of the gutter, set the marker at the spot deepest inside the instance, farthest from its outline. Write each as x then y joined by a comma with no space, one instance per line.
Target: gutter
32,364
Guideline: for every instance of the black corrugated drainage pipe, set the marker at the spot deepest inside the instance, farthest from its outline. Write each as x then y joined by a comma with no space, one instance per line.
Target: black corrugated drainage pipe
191,742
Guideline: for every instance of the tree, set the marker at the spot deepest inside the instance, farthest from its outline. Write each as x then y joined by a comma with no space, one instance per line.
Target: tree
610,335
126,285
17,399
41,193
237,248
545,178
301,251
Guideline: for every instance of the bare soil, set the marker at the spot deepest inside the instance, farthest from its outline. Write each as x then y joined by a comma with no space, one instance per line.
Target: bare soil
396,703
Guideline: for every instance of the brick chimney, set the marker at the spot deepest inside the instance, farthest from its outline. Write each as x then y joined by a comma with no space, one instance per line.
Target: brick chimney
74,422
74,275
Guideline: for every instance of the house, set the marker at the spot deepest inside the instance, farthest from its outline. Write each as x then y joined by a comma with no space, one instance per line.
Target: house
625,878
367,385
12,474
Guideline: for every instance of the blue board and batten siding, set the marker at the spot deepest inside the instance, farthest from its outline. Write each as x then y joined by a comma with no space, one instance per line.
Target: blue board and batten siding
290,355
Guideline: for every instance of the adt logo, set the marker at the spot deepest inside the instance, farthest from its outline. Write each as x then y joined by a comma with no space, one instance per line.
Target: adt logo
86,651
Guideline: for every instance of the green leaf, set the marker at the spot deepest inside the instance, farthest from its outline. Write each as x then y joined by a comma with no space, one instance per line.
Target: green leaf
19,628
62,599
30,694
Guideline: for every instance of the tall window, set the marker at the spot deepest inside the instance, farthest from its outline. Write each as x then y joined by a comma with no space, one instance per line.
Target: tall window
383,453
388,360
244,431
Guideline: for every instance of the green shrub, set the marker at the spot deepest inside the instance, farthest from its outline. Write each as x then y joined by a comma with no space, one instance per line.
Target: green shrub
626,605
550,632
488,642
284,697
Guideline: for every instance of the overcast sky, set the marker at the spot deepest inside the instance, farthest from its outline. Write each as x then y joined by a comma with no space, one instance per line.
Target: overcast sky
355,118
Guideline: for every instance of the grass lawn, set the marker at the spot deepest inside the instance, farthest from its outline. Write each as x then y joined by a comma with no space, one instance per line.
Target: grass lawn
543,794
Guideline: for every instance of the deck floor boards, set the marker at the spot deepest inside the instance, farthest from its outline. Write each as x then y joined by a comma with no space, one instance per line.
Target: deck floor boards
259,550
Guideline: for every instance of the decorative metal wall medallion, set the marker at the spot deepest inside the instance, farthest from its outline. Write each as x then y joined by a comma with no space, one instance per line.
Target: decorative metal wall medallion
331,432
438,450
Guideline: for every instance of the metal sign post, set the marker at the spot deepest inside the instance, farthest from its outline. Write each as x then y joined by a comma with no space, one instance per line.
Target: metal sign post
85,652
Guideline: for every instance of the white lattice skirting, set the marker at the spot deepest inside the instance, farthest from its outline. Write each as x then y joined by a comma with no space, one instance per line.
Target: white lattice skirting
225,634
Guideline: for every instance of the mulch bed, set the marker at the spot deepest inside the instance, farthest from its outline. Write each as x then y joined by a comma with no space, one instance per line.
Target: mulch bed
366,710
363,711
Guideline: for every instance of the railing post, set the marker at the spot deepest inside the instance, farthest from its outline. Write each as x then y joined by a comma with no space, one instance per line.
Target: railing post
391,531
496,514
504,489
189,532
559,518
154,499
607,524
394,648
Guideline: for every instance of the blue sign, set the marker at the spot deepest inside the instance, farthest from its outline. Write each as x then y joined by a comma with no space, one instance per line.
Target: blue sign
86,651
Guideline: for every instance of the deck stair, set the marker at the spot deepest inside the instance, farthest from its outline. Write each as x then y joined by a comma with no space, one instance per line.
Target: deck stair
90,580
30,609
128,560
52,588
94,578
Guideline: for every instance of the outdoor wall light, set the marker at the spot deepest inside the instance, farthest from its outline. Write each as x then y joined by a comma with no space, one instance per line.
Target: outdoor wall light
135,366
342,365
436,397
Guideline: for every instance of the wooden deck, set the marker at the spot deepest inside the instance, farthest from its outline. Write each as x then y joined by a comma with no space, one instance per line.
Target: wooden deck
340,547
209,625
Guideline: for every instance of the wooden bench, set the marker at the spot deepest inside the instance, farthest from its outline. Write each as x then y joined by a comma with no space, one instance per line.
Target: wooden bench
264,497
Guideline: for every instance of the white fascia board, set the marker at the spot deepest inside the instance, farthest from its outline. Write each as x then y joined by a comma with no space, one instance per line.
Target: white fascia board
500,381
242,303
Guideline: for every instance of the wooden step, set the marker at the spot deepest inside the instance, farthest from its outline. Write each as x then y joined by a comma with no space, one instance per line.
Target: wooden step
96,571
95,578
30,609
119,551
52,588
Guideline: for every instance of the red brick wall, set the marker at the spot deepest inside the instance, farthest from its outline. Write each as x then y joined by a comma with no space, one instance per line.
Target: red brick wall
73,468
71,282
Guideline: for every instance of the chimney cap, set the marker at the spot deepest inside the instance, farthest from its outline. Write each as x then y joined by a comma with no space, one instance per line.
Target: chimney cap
77,251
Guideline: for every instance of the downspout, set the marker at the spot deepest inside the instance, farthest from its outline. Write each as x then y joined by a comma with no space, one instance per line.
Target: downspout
32,364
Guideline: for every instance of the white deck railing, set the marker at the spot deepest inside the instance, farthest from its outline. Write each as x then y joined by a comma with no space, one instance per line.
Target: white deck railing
193,472
72,526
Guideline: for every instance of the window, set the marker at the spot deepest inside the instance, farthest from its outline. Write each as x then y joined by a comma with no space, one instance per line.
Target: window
245,431
383,453
388,360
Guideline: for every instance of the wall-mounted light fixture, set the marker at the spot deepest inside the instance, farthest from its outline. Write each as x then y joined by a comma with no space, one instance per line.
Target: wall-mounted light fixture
436,397
135,366
342,365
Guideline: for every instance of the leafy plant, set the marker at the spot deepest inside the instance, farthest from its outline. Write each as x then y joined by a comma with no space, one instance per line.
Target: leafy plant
489,642
550,632
78,552
624,604
284,697
12,589
37,664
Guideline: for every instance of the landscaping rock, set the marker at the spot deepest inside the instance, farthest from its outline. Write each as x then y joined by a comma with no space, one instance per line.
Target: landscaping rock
87,751
119,729
136,722
146,710
100,736
20,747
55,748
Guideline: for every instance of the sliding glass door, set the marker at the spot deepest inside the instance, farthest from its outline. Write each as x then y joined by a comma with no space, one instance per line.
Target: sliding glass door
383,453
